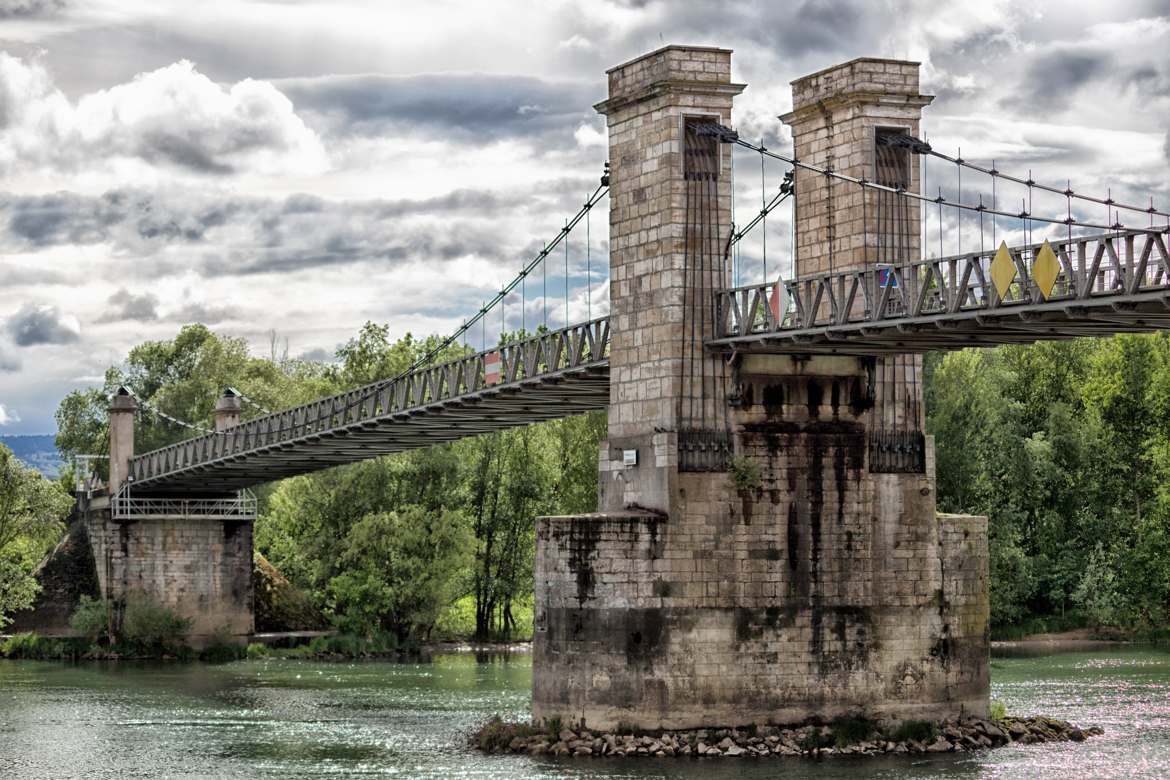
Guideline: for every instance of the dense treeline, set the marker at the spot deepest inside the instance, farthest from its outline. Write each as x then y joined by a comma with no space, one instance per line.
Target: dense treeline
31,511
1064,446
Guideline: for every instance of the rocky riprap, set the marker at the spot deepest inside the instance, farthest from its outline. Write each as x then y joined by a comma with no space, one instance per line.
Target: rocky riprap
967,734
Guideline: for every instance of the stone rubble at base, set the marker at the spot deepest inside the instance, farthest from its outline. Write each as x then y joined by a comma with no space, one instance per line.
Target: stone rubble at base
963,735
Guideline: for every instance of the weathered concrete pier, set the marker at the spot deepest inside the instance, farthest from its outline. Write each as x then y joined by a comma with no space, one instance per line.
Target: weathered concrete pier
767,549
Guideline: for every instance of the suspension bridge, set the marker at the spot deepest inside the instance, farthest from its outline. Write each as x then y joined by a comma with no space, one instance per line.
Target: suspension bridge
820,579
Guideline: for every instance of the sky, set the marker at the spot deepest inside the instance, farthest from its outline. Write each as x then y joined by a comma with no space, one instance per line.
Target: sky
299,168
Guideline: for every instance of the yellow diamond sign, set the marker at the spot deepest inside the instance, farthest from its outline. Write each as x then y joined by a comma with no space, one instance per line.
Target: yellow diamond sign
1003,270
1045,269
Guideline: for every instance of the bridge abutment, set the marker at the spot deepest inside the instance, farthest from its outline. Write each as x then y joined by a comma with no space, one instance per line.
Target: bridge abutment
190,554
808,576
199,567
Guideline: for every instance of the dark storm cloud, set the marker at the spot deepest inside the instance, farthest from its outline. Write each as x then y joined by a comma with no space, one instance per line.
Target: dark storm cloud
342,242
35,324
29,9
246,236
1149,81
469,107
36,221
126,306
794,29
1052,79
193,153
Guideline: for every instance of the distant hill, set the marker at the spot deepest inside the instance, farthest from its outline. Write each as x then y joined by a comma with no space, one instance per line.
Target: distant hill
37,451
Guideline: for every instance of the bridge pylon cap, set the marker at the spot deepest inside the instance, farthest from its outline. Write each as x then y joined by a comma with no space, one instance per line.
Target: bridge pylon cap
123,400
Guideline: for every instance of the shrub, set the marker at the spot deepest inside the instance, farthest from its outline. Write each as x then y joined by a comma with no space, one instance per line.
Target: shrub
916,730
850,731
148,626
745,473
494,736
816,739
91,618
998,710
222,648
32,646
256,651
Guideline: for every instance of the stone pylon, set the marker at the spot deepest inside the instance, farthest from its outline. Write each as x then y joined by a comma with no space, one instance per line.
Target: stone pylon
758,557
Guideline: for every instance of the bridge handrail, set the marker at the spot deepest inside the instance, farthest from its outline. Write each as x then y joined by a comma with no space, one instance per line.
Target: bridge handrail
575,346
124,506
1121,263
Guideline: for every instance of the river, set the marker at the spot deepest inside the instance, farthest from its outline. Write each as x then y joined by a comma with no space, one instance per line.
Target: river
291,719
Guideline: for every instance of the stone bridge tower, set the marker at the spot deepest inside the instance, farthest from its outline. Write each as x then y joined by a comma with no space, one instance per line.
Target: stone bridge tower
808,575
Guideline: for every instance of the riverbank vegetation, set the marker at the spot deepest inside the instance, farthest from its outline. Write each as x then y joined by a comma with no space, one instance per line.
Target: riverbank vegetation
1065,446
32,509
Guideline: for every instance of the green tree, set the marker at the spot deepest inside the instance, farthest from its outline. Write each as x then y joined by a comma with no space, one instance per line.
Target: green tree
183,378
31,512
400,570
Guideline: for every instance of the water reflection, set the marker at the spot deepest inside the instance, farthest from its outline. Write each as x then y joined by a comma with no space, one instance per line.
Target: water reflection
307,719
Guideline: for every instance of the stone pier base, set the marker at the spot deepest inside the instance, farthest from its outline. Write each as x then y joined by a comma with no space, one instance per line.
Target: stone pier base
198,567
645,622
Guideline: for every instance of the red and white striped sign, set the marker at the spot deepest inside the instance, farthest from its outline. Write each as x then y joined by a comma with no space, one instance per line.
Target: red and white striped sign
491,368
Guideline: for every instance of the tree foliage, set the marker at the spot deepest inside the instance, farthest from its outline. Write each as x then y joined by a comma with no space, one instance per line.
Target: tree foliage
1064,446
31,511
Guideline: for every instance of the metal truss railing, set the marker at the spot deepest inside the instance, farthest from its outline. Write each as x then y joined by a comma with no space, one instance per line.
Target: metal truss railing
126,506
1108,270
532,358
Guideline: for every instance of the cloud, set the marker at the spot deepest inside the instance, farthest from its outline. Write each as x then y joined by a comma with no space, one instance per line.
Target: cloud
13,277
9,363
1052,80
126,306
317,355
1166,146
29,9
214,235
35,324
465,107
208,315
587,135
7,417
174,118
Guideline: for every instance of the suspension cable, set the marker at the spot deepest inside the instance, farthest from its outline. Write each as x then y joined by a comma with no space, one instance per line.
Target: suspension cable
159,412
250,402
1068,192
903,192
374,388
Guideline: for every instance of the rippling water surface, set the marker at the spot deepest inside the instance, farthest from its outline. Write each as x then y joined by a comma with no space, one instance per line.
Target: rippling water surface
301,719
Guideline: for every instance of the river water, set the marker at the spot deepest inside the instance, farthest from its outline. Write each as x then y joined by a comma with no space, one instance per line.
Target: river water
291,719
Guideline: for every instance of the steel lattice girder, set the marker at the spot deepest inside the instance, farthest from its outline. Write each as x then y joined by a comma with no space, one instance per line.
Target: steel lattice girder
553,375
1114,283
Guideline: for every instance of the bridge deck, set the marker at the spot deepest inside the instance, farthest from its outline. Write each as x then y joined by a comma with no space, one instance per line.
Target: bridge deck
554,375
1106,284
